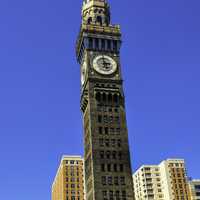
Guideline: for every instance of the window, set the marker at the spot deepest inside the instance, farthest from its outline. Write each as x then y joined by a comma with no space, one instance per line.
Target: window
108,154
100,130
101,154
103,44
120,155
110,195
105,119
122,180
101,142
104,193
109,167
103,180
116,180
109,44
115,167
99,20
117,195
89,21
102,167
113,142
119,143
106,130
99,118
97,43
115,45
110,180
114,154
107,142
123,194
121,167
90,43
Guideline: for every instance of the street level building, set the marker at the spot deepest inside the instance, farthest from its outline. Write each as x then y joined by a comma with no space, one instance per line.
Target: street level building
69,181
194,188
108,173
166,181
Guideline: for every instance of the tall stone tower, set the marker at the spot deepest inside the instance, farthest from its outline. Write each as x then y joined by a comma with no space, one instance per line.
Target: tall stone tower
107,159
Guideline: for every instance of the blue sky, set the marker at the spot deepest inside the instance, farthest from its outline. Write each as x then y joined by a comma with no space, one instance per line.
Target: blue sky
40,117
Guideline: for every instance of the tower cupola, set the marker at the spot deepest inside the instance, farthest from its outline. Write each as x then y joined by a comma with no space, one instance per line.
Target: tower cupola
96,12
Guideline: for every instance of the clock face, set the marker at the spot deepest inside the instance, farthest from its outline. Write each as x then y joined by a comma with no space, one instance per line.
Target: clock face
83,73
104,64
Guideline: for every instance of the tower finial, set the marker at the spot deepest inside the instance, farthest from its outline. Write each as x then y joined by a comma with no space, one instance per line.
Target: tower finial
96,12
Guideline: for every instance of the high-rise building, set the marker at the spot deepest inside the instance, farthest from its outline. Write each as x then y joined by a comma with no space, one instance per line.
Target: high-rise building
166,181
194,188
69,181
147,183
108,171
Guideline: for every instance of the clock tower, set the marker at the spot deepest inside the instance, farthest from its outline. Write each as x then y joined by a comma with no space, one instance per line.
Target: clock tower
108,174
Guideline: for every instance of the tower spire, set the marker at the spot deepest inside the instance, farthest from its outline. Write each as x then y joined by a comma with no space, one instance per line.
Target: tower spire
96,12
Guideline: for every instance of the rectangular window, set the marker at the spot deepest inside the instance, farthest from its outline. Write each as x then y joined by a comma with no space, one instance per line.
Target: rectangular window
115,167
102,167
107,142
103,44
122,180
106,130
101,142
103,180
109,44
119,143
109,167
99,118
100,130
101,154
110,180
116,180
121,167
113,142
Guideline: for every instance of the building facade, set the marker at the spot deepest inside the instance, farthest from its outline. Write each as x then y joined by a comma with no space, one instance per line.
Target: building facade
69,181
108,173
194,188
166,181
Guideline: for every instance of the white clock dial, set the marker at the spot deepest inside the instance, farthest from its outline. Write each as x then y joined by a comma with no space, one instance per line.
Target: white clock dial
104,64
83,72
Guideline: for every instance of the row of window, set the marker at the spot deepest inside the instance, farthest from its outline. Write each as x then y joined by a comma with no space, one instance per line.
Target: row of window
109,180
112,167
107,98
103,44
107,109
109,131
72,198
111,195
111,155
110,142
72,179
72,186
108,119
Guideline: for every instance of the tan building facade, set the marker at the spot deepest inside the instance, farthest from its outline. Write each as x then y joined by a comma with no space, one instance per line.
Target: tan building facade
194,188
69,181
166,181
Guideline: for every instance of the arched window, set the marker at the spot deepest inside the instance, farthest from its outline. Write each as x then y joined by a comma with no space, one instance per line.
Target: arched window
99,20
89,21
